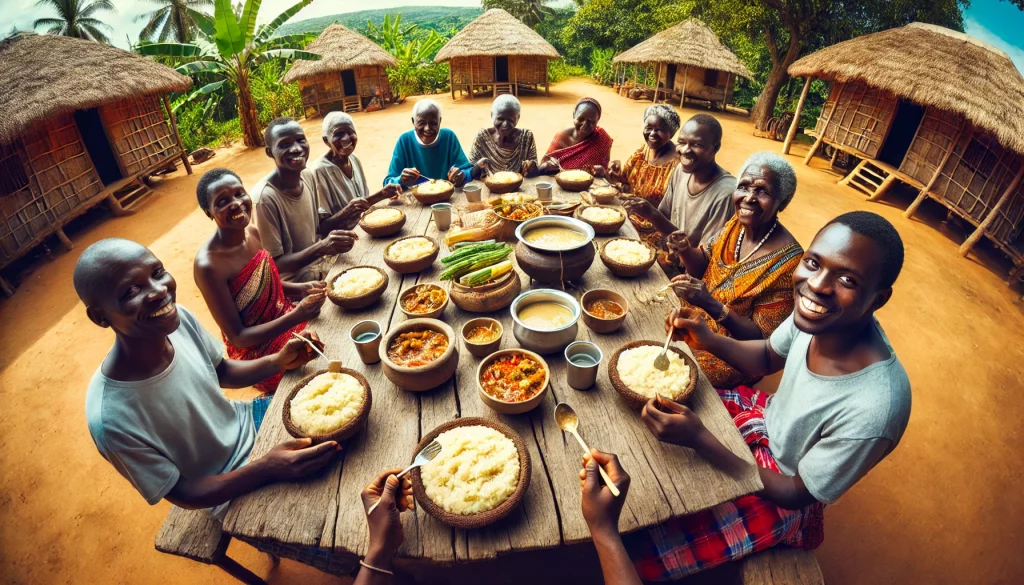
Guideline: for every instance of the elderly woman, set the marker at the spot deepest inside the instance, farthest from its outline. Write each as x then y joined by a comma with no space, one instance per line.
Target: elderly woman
428,151
337,177
584,146
741,282
503,146
646,174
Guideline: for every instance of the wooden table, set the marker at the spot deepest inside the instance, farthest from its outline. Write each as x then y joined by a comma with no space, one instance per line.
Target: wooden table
326,512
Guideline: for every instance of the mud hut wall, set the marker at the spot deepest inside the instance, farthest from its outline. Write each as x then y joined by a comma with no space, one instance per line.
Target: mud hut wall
696,79
529,70
482,66
369,79
934,138
139,133
46,178
861,119
322,93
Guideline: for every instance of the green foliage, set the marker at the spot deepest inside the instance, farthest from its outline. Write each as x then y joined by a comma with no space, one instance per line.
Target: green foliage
77,18
531,12
415,49
176,20
198,128
274,99
560,70
618,24
439,18
601,67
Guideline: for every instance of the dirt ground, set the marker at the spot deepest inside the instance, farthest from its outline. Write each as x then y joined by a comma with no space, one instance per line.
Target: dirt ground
945,507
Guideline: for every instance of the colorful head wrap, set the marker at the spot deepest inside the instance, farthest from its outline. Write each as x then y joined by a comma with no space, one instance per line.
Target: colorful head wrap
587,100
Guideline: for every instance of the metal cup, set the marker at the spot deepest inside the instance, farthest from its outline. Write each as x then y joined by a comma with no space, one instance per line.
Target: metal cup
544,190
472,192
583,358
442,215
366,335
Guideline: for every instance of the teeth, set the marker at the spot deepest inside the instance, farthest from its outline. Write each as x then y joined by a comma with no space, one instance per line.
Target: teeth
746,211
236,216
162,311
811,306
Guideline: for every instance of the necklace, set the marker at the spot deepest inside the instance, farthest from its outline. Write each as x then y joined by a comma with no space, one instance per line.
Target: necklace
739,242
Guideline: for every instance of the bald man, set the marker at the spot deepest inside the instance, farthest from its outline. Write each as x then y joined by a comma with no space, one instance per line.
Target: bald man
155,407
428,151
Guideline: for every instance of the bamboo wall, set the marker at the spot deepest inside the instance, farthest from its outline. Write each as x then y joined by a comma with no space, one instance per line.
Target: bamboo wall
326,92
529,70
861,119
934,137
696,86
46,177
523,70
482,66
139,134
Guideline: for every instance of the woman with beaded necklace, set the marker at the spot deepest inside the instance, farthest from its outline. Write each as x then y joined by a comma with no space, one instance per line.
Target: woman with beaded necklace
741,282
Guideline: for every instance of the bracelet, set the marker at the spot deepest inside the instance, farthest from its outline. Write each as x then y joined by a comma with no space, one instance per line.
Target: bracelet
377,569
724,315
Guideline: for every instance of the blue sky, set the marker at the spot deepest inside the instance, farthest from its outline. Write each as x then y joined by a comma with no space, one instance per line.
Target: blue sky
1000,24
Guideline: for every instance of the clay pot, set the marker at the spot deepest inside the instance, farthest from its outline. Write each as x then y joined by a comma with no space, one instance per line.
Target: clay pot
489,297
420,378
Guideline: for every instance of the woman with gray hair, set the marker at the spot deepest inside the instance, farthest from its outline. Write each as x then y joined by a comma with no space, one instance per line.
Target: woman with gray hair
503,146
341,192
741,281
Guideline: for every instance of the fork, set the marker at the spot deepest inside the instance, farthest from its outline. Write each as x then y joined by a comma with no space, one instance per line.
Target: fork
426,455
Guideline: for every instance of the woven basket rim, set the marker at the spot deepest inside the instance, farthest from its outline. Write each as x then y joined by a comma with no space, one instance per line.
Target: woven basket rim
411,266
360,300
481,519
639,400
502,188
621,269
571,185
430,198
602,228
385,229
346,431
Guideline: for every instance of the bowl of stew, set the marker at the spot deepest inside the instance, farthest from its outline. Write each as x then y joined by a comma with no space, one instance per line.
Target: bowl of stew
423,300
419,354
513,381
603,310
482,336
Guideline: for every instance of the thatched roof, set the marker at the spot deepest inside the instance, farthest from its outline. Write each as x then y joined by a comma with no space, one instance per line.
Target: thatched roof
690,42
46,75
339,49
932,66
496,33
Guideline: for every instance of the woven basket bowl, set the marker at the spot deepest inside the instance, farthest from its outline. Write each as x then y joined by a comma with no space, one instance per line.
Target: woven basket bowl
412,266
432,198
470,521
602,229
348,430
499,188
358,302
381,231
604,195
637,401
570,185
627,270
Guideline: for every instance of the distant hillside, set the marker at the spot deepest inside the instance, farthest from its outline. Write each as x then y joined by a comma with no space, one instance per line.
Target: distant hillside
440,18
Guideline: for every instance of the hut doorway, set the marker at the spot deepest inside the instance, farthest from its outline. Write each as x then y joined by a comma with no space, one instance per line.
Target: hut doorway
348,82
670,76
901,134
94,136
501,69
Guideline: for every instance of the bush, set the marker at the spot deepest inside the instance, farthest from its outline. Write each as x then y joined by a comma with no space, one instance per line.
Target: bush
560,70
198,128
274,99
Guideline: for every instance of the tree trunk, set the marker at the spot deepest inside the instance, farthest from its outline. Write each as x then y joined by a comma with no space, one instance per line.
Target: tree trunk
764,108
252,134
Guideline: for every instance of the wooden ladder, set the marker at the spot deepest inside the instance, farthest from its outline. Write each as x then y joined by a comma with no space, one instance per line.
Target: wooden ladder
502,88
127,198
352,104
870,179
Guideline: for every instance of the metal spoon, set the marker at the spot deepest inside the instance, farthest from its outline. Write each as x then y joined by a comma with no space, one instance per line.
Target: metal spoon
567,420
661,362
426,455
332,365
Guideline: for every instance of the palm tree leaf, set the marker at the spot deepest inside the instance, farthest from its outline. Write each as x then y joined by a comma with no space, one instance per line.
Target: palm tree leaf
288,54
47,22
95,34
155,21
199,67
248,20
273,25
296,41
203,20
228,35
169,50
94,7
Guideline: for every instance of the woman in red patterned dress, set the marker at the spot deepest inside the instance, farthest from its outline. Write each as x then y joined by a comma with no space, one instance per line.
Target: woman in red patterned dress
239,280
585,146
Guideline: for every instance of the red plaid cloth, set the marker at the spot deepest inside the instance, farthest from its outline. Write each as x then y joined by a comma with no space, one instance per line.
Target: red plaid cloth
730,531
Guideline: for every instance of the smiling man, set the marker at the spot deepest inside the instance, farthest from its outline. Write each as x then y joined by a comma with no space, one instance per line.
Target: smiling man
428,151
841,407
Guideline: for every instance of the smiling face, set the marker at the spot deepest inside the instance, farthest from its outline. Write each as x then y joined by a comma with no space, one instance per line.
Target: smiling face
288,146
505,121
657,132
756,197
696,147
427,124
585,120
230,206
341,138
837,282
135,296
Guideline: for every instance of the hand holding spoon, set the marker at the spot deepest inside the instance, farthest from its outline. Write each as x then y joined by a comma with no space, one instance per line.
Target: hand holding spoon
332,365
567,420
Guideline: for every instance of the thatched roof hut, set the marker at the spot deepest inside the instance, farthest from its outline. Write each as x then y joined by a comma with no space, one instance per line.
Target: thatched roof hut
350,73
499,52
709,67
933,108
79,121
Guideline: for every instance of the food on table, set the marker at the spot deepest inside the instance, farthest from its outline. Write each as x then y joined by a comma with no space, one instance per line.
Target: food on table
636,370
382,216
357,281
488,229
433,187
601,215
424,299
477,470
604,191
327,403
483,334
555,237
517,211
476,264
629,252
545,315
513,378
410,249
604,309
575,175
504,178
418,347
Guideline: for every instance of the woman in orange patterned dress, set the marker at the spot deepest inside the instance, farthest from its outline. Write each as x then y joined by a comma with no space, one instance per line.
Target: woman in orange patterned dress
647,172
741,283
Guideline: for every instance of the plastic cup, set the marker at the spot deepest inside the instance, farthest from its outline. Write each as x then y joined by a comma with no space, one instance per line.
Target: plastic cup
366,335
544,190
472,192
583,359
442,215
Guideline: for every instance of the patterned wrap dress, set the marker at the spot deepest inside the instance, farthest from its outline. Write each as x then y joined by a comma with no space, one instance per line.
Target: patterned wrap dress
596,150
650,182
502,159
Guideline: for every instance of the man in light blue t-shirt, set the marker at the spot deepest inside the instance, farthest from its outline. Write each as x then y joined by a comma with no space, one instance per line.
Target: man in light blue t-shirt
155,407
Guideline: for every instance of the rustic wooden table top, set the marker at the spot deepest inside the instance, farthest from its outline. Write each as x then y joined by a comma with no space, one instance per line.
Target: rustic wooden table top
326,511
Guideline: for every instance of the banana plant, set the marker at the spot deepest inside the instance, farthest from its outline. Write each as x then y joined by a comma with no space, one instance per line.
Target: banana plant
232,51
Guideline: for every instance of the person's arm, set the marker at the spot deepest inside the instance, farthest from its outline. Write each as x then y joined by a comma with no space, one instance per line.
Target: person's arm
601,511
346,219
288,461
695,291
529,165
398,162
245,373
460,165
751,357
336,242
384,525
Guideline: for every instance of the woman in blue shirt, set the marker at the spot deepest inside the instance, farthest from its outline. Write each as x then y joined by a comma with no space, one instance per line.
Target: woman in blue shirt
428,151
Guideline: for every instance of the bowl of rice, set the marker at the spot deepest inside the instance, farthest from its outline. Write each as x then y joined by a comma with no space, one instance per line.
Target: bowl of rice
327,406
635,378
480,476
380,222
574,180
627,258
503,182
604,195
433,191
357,287
411,254
605,219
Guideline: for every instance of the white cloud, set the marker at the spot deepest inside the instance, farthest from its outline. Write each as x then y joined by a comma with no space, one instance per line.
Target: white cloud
976,30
